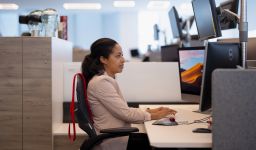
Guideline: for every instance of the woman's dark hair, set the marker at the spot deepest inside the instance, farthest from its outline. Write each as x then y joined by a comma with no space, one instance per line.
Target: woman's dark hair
91,64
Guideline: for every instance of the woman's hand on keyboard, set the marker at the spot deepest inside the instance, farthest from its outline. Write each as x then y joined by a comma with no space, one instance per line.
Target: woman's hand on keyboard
162,112
154,110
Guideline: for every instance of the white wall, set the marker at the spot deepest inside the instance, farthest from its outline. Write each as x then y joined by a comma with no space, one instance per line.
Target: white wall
147,19
111,25
9,25
128,31
251,14
122,27
71,28
87,29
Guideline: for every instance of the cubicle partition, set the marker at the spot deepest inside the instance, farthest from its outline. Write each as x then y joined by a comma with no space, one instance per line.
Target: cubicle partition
234,103
151,82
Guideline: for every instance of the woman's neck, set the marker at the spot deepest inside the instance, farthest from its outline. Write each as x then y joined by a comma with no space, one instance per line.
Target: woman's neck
110,74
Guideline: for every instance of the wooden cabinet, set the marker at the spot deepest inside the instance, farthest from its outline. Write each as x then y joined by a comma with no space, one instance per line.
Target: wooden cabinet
11,94
28,93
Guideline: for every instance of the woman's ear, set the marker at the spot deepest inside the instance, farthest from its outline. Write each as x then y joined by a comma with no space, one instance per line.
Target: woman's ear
103,60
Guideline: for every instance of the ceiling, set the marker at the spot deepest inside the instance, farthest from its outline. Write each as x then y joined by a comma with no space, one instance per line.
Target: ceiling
27,5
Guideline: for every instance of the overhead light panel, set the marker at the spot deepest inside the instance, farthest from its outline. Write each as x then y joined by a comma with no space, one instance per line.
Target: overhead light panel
124,3
88,6
158,4
8,6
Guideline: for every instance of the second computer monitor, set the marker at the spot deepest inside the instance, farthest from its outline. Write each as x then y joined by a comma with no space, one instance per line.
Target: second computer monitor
218,55
175,23
206,18
191,66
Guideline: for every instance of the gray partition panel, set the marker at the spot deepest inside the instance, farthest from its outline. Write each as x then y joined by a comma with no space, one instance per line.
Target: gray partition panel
234,109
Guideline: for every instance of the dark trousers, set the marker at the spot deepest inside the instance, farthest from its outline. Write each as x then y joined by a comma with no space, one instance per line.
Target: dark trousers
138,141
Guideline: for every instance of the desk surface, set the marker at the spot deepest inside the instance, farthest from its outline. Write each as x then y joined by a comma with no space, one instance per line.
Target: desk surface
180,136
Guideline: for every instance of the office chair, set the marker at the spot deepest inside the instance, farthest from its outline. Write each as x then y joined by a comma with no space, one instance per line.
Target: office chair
85,120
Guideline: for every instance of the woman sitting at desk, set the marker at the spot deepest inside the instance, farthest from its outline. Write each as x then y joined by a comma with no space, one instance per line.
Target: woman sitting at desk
109,108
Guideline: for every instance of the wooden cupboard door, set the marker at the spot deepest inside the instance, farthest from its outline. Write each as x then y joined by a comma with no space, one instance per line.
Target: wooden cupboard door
37,97
10,93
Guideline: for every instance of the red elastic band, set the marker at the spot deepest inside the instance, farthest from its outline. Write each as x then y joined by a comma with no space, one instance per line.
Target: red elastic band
72,106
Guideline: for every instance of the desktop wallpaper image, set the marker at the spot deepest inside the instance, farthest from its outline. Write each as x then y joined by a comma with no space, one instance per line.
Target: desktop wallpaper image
191,67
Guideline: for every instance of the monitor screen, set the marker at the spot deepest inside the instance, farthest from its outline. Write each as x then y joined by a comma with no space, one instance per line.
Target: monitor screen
225,21
218,55
191,66
169,53
206,18
175,23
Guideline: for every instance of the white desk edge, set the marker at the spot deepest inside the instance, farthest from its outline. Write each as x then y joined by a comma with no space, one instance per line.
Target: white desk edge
180,136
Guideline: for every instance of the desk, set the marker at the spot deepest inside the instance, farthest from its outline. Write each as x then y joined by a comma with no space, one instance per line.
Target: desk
180,136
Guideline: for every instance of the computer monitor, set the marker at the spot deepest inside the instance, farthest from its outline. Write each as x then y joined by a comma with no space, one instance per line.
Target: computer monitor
175,23
206,18
217,55
134,53
191,67
251,47
226,22
169,53
156,32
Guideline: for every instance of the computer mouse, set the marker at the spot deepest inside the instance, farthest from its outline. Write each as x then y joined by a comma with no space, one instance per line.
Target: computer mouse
172,119
202,130
166,122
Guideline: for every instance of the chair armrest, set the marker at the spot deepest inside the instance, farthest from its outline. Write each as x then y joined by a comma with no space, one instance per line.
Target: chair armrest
121,130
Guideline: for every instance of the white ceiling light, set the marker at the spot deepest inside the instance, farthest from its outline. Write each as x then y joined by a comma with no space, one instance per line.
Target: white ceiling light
158,4
7,6
89,6
124,3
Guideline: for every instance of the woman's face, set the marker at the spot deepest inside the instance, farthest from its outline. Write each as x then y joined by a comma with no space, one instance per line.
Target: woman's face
115,62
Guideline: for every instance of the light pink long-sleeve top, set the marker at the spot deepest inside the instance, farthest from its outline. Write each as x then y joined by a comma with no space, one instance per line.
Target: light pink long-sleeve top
109,108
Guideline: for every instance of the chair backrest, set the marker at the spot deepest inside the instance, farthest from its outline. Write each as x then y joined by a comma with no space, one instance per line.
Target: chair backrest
82,112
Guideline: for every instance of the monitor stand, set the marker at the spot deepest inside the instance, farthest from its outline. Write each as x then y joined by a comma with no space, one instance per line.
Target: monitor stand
207,112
